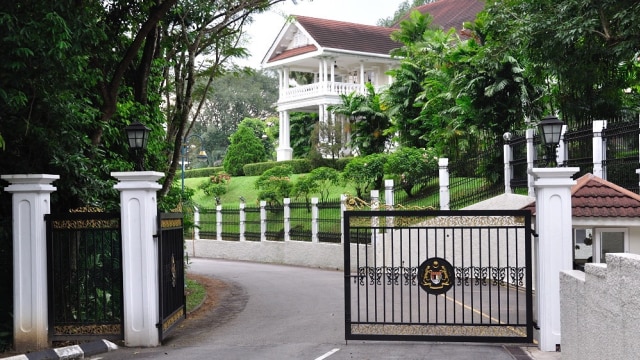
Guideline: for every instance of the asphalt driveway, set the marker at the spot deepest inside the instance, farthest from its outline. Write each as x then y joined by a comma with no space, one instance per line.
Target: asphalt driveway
283,312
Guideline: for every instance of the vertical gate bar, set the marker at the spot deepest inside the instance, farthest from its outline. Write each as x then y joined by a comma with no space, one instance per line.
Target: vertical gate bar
347,274
481,283
529,272
454,241
508,282
499,284
491,235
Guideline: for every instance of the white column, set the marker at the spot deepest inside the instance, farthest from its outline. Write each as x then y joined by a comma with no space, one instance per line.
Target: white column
287,216
343,208
138,214
562,152
508,157
314,220
531,157
218,222
243,219
553,247
445,198
284,151
598,148
263,220
389,201
30,202
362,77
196,222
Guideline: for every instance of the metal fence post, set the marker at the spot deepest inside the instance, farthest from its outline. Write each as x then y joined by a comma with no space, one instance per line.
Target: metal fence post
243,218
443,164
314,220
218,222
287,217
263,220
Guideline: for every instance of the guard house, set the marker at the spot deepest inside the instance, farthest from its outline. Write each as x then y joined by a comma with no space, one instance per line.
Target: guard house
317,60
604,217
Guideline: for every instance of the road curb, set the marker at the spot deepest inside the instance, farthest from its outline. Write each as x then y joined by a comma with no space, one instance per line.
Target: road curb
69,352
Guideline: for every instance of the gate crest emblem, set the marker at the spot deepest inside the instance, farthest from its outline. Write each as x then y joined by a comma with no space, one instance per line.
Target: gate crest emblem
435,275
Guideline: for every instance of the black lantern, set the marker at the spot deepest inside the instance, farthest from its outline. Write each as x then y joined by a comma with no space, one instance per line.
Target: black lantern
550,129
138,136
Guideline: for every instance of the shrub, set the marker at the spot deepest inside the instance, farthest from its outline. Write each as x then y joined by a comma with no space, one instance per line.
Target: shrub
216,185
365,173
324,177
274,185
410,165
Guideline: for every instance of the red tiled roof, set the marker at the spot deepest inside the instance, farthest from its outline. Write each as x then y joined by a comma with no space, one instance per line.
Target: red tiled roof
293,52
342,35
592,196
448,14
349,36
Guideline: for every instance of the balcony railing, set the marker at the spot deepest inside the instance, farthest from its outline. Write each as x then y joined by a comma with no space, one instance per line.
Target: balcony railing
317,89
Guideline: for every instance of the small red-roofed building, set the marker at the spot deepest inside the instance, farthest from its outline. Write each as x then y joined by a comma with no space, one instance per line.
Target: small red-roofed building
605,219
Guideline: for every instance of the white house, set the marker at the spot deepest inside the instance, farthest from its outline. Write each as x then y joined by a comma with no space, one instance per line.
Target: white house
340,58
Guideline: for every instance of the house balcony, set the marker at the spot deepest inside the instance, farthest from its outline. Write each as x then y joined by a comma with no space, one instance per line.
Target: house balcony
310,95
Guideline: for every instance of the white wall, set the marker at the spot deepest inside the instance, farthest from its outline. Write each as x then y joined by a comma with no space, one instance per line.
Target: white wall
600,310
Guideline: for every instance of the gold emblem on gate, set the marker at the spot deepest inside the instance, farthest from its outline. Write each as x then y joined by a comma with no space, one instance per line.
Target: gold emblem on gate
174,276
435,276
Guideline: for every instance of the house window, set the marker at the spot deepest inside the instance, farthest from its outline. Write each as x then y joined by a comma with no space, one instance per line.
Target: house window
610,240
582,247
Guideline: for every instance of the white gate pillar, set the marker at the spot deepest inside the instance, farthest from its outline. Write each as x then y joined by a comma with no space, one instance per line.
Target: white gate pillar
553,248
31,201
138,213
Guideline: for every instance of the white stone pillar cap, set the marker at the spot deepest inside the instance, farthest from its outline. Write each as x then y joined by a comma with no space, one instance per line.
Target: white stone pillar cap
30,182
553,176
132,180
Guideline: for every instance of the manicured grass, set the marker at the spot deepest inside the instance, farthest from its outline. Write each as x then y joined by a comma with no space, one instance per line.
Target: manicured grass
244,186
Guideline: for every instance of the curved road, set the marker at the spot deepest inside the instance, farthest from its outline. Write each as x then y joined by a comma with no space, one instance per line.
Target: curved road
283,312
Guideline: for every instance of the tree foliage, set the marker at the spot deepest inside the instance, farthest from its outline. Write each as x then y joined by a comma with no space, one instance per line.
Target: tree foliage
275,184
365,173
245,148
410,165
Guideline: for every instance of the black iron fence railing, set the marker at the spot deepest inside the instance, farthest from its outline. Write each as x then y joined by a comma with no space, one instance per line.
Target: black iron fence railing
85,276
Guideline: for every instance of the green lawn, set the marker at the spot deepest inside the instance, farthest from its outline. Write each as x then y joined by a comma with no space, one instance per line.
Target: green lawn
244,186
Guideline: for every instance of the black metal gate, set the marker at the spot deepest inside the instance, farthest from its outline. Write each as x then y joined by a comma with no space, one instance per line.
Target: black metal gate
462,276
84,259
173,307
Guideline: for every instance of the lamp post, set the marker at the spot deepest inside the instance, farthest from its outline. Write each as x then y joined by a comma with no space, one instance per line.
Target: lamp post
550,129
138,136
202,154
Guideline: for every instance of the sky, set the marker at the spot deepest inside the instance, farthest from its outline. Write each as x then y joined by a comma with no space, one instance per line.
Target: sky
266,26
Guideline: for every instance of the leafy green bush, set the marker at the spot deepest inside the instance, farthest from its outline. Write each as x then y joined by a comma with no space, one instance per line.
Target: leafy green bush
275,185
324,177
365,173
216,185
409,165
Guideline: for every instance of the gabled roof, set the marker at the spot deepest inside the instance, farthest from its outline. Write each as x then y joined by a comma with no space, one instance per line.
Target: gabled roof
337,35
595,197
448,14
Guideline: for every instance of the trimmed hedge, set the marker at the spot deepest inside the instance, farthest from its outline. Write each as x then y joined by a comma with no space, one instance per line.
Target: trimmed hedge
298,166
202,172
